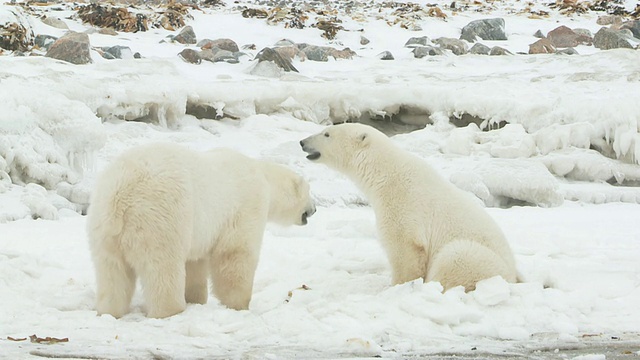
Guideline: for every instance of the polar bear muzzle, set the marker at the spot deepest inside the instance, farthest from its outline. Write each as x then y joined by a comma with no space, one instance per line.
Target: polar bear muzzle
313,153
307,214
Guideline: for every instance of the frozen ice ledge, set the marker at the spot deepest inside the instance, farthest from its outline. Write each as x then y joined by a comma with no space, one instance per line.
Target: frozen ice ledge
554,118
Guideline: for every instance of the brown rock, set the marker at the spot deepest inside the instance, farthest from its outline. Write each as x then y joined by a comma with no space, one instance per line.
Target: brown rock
223,44
542,46
563,37
72,47
191,56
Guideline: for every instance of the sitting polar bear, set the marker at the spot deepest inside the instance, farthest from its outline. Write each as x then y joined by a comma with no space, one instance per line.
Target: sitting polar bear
429,228
173,216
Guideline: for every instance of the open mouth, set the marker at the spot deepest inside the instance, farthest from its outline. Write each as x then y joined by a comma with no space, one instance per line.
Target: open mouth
313,156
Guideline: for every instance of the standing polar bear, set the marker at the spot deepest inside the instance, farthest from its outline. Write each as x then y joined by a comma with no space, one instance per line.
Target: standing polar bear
173,216
429,228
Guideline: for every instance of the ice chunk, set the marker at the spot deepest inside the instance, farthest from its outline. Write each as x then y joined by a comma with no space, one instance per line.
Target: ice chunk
493,291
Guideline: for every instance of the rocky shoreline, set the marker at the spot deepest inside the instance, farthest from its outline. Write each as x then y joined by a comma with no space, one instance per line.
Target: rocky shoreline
619,29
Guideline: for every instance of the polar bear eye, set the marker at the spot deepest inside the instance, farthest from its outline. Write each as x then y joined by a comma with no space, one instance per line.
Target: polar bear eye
326,134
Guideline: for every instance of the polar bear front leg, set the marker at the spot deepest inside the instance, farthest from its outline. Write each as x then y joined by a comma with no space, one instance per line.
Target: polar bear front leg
196,291
233,266
407,256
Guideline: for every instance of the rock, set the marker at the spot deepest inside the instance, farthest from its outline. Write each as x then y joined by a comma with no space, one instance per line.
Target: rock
284,42
217,55
584,32
345,53
606,39
633,26
364,40
422,51
385,55
223,44
479,49
316,53
267,69
567,51
72,47
15,31
249,47
542,46
191,56
45,41
497,51
563,37
186,36
290,52
322,53
119,52
55,22
416,41
271,55
486,29
539,34
456,46
605,20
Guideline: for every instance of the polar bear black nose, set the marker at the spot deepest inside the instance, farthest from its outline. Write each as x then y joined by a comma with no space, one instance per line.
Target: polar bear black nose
302,143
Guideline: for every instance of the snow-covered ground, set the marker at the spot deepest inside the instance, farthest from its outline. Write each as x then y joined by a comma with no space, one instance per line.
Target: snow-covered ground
561,179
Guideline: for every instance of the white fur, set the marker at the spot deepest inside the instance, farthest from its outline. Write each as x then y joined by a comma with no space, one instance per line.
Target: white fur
173,217
429,228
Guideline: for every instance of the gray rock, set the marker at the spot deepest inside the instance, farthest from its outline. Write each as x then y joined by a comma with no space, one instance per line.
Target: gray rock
539,34
422,51
72,47
633,26
217,55
45,41
458,47
416,41
316,53
486,29
191,56
55,22
385,55
284,42
567,51
270,55
186,36
364,40
480,49
119,52
498,51
606,39
585,32
322,53
223,44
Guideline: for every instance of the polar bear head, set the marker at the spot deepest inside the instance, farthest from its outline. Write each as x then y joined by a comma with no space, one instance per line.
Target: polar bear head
342,147
291,202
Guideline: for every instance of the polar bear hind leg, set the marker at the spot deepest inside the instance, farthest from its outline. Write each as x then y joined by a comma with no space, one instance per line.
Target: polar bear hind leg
116,282
196,290
464,262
